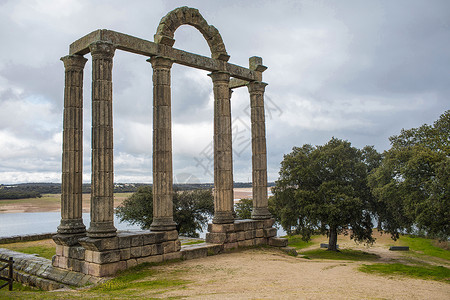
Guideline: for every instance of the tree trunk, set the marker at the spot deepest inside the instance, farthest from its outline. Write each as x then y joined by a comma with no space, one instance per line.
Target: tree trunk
332,241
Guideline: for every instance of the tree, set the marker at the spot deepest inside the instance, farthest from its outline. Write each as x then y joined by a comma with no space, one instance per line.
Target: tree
412,184
324,189
191,209
244,208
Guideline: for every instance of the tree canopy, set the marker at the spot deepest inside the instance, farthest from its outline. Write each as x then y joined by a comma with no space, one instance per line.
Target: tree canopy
324,188
191,209
412,183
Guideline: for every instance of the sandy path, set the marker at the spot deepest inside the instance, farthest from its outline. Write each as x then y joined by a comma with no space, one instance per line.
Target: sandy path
269,274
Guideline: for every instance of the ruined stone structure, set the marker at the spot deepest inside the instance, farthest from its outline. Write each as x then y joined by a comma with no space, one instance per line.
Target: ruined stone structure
101,250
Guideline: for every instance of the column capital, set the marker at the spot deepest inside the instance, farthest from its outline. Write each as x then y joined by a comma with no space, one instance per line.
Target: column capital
161,62
256,86
218,76
74,62
256,64
102,49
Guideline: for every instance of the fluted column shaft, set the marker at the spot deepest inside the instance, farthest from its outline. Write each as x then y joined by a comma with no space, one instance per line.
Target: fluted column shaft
72,157
162,146
223,153
102,183
259,155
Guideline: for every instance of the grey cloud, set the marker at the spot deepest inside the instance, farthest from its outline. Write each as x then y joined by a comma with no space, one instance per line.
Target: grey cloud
356,70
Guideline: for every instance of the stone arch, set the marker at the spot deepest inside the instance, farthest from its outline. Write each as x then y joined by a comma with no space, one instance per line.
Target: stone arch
190,16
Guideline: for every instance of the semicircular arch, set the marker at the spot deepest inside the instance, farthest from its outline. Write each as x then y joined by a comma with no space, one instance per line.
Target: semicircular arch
190,16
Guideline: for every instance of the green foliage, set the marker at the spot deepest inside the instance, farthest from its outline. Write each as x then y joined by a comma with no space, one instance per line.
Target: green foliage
412,184
423,272
324,189
346,254
244,208
138,208
191,209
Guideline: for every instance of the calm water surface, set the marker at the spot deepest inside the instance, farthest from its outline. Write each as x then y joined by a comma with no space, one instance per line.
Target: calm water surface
47,222
43,222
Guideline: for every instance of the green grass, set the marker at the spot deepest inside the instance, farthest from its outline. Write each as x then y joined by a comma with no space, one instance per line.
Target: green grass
193,243
439,273
140,278
346,254
297,242
425,246
46,198
46,251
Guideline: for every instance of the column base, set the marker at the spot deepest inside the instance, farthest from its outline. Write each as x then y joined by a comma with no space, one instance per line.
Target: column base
223,217
261,213
102,230
68,239
163,224
71,226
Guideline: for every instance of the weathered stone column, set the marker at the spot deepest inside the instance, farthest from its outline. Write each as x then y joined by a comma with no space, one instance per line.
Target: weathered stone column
162,146
259,156
223,153
72,157
102,182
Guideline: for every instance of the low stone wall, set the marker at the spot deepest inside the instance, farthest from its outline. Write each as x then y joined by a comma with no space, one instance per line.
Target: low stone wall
244,233
83,263
26,238
106,256
38,271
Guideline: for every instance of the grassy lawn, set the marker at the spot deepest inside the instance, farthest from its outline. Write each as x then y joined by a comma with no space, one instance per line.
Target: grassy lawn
44,248
345,254
439,273
297,242
192,242
423,246
142,281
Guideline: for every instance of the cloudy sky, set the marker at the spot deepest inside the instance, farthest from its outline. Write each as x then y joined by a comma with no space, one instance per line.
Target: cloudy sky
356,70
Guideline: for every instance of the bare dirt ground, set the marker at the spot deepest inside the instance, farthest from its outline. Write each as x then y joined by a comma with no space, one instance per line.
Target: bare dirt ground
270,274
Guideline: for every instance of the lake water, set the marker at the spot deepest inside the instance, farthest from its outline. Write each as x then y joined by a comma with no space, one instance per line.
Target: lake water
47,222
43,222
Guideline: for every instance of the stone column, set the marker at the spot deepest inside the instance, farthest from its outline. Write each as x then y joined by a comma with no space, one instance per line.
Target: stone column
102,182
259,156
223,153
72,157
162,146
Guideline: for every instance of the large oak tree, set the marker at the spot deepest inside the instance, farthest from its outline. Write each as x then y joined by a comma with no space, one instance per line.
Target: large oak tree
412,185
324,188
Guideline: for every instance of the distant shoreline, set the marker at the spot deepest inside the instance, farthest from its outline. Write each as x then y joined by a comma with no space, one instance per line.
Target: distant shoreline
52,202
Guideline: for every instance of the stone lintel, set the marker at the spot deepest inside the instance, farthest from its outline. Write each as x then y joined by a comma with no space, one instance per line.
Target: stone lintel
237,83
147,48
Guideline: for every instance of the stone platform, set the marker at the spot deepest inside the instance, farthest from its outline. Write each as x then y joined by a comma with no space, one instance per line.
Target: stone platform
106,256
244,233
102,257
